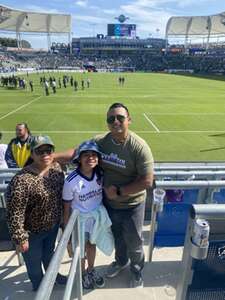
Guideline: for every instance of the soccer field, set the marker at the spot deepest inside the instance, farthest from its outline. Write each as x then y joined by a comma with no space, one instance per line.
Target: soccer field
181,117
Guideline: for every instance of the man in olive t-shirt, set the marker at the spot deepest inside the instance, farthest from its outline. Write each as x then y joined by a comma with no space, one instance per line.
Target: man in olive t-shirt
128,171
122,164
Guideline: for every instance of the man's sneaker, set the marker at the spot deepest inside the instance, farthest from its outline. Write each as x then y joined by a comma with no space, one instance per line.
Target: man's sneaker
61,279
87,281
114,269
97,279
136,280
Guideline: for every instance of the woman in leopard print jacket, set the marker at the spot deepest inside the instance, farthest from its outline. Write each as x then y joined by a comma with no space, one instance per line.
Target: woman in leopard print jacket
34,207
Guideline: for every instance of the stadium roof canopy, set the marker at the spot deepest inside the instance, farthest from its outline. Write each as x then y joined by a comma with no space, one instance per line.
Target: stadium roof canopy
196,25
24,21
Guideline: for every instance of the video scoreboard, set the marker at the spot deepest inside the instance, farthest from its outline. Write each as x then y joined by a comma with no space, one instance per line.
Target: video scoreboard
122,30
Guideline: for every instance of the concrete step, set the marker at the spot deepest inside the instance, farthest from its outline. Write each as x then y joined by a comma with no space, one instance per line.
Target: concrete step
160,277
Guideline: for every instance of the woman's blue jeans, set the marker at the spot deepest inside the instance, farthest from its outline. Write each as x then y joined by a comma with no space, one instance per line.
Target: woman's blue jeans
41,249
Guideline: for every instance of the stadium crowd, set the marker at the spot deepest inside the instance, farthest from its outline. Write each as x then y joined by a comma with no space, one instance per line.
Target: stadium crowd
206,62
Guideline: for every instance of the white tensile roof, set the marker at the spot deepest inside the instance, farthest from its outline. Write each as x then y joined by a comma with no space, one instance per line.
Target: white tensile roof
24,21
199,25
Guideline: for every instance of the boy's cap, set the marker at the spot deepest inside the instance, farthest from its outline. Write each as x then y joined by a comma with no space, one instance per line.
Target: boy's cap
40,140
86,146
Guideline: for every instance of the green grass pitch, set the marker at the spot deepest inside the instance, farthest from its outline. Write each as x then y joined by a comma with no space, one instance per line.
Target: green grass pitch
182,118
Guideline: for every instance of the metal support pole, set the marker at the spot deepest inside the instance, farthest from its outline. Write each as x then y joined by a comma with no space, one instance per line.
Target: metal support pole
76,247
202,195
153,228
187,273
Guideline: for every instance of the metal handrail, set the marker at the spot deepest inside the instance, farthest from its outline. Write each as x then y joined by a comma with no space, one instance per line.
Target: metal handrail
164,173
208,211
159,170
164,184
46,286
189,167
10,170
3,187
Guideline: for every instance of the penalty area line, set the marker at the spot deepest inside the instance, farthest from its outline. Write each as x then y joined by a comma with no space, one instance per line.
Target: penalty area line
152,124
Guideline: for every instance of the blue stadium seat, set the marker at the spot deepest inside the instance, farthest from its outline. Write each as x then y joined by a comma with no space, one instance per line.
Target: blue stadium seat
172,222
219,197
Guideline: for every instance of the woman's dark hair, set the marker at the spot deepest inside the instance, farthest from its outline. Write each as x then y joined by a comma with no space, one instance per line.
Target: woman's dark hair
116,105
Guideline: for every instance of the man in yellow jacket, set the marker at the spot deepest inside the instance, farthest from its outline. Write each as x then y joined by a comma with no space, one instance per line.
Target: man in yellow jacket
18,151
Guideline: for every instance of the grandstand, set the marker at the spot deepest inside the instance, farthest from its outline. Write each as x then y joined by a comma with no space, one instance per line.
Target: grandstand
198,27
107,46
18,21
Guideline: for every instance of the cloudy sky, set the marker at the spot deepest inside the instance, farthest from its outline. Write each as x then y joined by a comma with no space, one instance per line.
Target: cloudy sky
91,17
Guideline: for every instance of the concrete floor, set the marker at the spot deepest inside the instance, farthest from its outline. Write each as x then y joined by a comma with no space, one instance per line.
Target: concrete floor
160,277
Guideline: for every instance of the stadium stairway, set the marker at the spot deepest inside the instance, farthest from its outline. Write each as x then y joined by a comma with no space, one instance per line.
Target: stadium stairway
160,277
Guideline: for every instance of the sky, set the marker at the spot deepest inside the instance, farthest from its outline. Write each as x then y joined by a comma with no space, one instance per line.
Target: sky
91,17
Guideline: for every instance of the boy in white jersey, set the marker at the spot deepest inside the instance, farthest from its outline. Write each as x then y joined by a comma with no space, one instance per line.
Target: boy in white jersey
83,191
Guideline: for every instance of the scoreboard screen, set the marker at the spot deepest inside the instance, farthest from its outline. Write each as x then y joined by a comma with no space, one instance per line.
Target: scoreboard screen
128,30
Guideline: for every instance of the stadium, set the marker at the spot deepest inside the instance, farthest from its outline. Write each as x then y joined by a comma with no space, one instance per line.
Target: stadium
174,89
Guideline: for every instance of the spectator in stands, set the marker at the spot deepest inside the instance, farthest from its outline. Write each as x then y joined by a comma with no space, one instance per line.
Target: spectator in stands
95,225
128,172
3,147
18,150
34,205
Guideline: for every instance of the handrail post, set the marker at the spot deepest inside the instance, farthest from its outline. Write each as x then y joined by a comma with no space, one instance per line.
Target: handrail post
186,276
46,286
157,206
78,279
153,227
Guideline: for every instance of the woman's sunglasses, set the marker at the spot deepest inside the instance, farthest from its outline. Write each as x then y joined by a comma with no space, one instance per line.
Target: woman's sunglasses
47,151
120,118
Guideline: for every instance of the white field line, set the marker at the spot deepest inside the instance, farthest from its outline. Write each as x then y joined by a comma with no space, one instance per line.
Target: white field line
150,121
137,131
77,95
19,108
